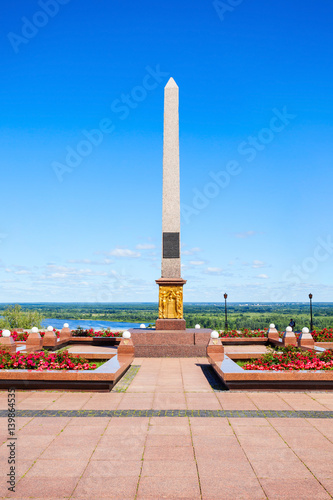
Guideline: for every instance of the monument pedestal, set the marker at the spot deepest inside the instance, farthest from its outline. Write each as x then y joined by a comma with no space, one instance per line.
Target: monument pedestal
170,324
187,343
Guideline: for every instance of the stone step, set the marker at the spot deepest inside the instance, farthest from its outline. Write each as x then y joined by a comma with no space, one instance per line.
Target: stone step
170,351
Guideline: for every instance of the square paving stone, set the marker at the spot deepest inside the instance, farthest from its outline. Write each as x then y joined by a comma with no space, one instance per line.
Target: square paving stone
54,468
225,489
113,468
182,453
154,440
106,487
45,487
305,489
169,487
168,468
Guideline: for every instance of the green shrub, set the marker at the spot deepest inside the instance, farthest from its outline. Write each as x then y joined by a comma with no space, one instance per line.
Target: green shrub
14,317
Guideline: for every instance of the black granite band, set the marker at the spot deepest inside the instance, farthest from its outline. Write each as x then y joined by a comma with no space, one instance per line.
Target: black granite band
171,413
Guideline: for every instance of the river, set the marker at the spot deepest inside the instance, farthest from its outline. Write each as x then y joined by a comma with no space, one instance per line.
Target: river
97,325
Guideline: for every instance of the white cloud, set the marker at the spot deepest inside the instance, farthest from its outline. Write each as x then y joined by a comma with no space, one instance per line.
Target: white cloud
145,246
191,251
79,261
245,234
17,270
104,262
197,262
64,272
257,264
58,275
217,271
54,267
124,252
262,276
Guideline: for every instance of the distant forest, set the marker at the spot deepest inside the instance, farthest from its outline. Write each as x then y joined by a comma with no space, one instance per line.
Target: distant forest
207,315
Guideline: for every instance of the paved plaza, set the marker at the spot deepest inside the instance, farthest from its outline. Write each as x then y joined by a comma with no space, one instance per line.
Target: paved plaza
239,445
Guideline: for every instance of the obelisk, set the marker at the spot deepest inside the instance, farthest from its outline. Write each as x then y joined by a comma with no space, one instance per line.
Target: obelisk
171,282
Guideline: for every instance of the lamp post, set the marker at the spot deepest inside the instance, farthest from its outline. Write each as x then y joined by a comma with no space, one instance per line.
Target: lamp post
225,312
311,321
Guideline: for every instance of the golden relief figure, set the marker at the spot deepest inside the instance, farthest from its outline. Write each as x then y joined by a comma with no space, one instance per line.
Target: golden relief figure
170,302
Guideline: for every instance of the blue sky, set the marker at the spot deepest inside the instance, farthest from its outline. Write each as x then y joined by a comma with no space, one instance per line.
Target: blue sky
81,221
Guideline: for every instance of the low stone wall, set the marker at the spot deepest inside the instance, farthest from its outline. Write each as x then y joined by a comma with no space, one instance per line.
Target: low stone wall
234,377
101,379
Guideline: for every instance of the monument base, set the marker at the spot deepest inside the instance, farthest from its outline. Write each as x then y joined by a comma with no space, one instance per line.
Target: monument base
189,343
170,324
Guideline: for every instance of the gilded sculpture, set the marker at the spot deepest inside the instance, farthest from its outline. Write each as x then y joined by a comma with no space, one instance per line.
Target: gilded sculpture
170,302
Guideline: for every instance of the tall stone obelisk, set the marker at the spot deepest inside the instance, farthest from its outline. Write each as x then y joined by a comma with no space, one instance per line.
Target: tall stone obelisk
171,282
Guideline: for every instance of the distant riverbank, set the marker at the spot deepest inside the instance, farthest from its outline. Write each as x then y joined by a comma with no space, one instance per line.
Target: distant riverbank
124,315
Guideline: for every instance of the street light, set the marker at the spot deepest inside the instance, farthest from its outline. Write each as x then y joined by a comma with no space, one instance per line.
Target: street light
311,322
225,312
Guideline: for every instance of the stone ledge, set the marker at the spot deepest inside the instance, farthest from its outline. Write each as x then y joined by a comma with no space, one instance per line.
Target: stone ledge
103,378
234,377
171,351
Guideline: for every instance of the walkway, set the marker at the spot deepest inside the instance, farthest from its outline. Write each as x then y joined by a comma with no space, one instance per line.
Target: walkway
182,457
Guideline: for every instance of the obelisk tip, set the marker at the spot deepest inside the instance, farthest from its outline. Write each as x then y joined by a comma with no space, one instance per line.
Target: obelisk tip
171,84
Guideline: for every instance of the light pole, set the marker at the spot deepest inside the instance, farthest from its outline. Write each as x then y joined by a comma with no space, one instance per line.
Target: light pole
311,321
225,312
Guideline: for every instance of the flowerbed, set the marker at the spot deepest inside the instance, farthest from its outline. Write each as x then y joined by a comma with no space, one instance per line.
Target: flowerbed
81,332
19,336
325,335
43,360
292,358
245,332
